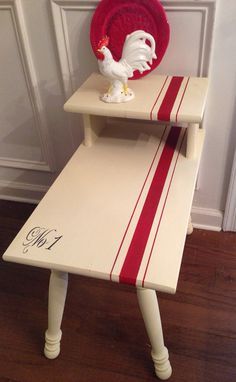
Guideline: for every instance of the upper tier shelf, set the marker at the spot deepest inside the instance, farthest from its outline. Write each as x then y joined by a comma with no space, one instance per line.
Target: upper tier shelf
159,98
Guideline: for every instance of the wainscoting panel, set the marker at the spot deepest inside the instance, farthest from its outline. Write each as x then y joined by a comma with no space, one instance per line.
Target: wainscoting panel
24,134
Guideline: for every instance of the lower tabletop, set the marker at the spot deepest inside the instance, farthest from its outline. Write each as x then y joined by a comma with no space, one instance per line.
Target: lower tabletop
118,211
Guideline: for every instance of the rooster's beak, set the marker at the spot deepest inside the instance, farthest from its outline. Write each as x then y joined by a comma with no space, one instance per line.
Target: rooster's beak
99,50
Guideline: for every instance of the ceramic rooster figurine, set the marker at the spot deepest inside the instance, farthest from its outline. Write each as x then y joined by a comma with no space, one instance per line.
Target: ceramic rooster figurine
136,55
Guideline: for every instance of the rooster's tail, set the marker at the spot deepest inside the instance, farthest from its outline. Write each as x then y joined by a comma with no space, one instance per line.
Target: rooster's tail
137,53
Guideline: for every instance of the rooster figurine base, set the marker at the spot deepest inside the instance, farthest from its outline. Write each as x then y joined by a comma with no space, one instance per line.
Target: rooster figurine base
117,93
136,55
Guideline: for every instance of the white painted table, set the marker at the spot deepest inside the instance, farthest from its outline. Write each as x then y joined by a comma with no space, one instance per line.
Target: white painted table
119,211
168,99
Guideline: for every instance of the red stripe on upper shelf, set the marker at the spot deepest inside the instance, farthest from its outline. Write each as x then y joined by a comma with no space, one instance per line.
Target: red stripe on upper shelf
158,96
138,243
165,109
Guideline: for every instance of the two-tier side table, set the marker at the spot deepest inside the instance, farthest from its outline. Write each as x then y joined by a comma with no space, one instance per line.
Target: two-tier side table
120,209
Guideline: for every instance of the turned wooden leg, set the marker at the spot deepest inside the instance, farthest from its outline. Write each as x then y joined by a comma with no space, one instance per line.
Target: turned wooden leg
150,310
190,226
56,302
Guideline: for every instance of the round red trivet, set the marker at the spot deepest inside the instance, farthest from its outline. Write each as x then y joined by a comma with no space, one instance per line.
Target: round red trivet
118,18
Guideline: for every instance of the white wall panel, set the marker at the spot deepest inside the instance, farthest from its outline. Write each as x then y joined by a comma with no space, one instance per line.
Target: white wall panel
220,117
24,137
72,28
230,210
18,141
191,25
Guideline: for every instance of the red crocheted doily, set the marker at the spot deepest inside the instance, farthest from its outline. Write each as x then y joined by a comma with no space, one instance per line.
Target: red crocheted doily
117,18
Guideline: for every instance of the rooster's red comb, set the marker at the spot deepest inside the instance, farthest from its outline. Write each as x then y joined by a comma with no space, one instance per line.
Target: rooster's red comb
103,42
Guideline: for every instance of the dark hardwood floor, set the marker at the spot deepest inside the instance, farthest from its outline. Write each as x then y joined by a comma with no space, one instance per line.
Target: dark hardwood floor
103,333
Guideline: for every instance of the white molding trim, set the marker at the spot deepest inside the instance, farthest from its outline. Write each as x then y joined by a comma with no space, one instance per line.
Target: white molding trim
22,192
207,9
24,164
48,162
229,223
208,219
59,8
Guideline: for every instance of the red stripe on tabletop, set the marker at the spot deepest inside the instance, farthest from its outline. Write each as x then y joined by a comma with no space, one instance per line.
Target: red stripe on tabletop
150,255
137,246
169,100
158,97
137,202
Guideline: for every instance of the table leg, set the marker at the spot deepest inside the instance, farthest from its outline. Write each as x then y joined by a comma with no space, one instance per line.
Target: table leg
192,131
56,302
190,226
93,125
150,310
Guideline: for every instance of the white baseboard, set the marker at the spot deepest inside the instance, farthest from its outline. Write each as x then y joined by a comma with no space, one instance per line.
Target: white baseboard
22,192
229,223
203,218
206,218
